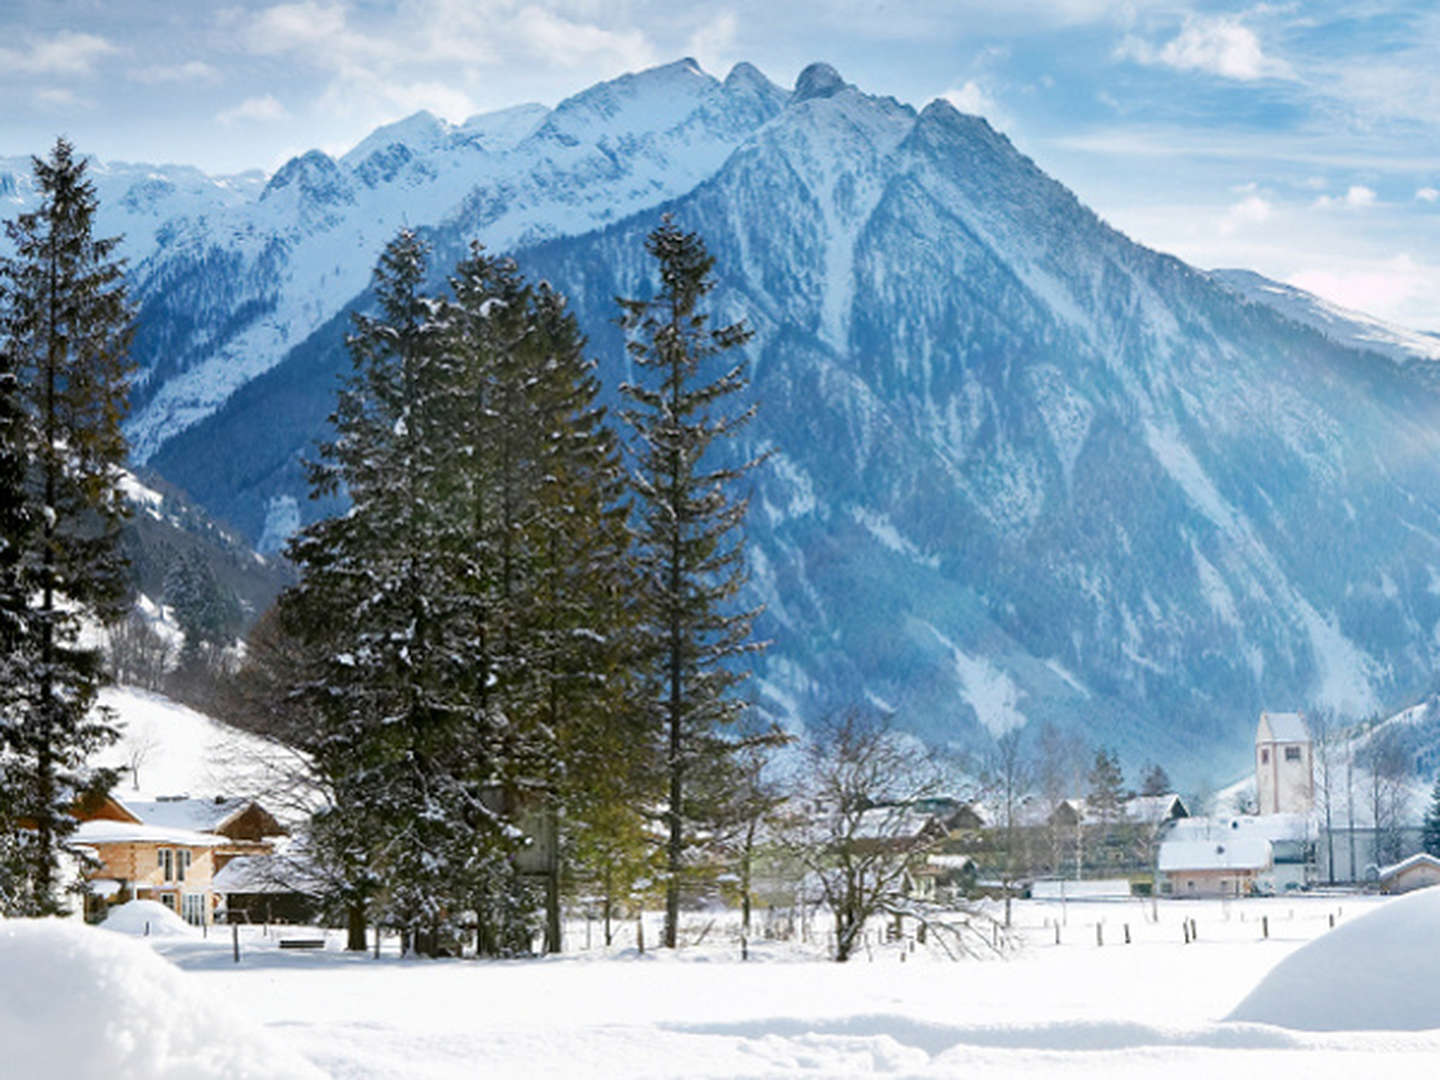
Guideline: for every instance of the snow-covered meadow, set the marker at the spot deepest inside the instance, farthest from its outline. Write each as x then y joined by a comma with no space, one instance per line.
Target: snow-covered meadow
1076,1009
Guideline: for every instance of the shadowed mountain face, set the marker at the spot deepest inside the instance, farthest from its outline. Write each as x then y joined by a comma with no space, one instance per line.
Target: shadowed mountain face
1023,469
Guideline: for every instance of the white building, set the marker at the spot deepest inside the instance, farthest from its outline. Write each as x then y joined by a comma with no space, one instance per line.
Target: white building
1284,764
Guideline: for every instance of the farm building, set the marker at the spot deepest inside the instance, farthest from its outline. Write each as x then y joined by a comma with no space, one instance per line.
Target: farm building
1419,871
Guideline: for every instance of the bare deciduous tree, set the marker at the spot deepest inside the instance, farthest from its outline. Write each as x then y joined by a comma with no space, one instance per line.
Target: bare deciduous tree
857,829
1388,764
1007,775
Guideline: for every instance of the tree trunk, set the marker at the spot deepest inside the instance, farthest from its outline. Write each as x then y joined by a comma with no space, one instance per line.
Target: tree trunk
553,943
355,928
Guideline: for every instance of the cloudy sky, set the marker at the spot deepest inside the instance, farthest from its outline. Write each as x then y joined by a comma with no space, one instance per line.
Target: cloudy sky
1298,139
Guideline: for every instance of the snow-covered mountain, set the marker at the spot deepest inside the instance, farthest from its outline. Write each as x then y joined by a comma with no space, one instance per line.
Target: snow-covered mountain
1342,325
1024,468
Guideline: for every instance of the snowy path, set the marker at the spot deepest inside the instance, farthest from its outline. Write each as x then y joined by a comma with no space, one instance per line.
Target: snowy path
1076,1010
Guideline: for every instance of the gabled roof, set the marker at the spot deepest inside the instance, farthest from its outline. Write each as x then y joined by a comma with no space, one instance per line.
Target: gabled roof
1420,858
894,823
203,815
1237,853
1154,809
1283,727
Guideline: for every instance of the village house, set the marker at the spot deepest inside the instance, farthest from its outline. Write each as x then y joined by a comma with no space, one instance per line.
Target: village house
1226,867
1419,871
169,850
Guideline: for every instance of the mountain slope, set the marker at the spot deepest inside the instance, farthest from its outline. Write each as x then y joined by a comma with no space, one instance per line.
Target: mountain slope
1025,469
1342,325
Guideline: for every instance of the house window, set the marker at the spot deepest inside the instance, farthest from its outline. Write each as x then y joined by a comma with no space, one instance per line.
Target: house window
1292,753
192,908
1265,756
184,861
165,860
168,899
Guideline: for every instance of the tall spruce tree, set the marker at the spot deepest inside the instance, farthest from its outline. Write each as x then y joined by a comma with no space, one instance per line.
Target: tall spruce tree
480,575
689,535
543,563
16,529
65,328
390,686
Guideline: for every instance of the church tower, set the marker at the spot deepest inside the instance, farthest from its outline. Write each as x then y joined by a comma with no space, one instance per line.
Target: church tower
1284,764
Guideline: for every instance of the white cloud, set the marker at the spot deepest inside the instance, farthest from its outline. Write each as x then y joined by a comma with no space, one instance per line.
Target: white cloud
192,71
60,98
446,56
1220,45
1355,197
306,25
67,53
1428,194
975,99
255,109
713,43
1251,210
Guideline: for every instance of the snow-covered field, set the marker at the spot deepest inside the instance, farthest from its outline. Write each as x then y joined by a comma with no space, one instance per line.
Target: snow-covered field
1077,1009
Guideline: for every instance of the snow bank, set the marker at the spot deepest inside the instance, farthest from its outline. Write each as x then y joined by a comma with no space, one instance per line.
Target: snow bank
1380,972
90,1006
135,916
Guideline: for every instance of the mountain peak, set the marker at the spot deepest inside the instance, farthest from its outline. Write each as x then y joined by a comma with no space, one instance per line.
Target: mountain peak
746,74
314,174
419,131
819,80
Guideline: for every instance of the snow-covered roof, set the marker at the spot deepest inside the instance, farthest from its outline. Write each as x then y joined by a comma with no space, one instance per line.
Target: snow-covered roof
125,832
262,874
1153,809
891,823
1285,727
1237,853
106,887
950,862
1420,858
202,815
1271,827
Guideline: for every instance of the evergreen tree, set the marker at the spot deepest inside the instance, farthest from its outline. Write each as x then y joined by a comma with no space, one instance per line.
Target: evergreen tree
389,688
689,543
206,611
1430,833
65,327
1156,782
1105,800
542,565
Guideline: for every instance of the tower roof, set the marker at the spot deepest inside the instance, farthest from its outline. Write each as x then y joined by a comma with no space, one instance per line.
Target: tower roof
1282,727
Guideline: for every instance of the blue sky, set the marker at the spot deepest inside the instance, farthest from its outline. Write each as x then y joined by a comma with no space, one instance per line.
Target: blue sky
1298,139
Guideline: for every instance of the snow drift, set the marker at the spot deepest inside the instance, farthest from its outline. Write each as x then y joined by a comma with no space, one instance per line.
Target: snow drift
147,918
1378,973
89,1006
